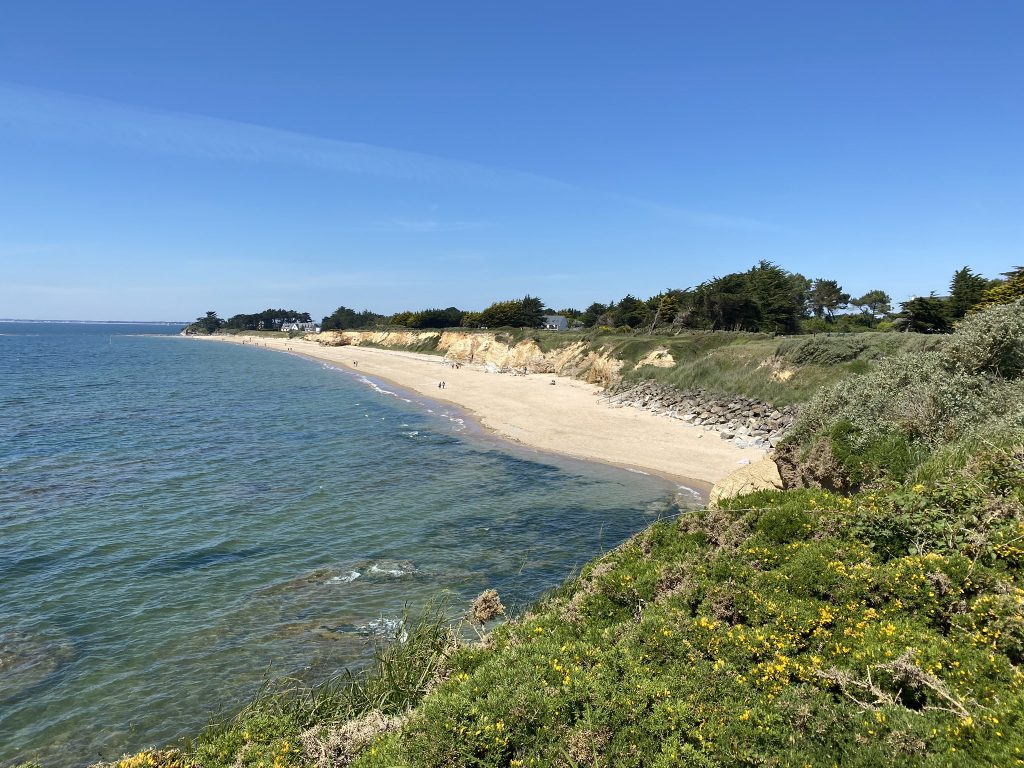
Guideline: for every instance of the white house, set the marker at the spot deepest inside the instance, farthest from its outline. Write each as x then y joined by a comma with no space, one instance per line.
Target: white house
303,327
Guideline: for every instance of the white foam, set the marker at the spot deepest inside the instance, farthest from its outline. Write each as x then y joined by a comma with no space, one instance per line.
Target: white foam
687,489
393,572
378,389
637,472
348,577
386,627
413,433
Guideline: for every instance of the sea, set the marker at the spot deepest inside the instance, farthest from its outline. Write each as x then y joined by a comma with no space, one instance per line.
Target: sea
183,521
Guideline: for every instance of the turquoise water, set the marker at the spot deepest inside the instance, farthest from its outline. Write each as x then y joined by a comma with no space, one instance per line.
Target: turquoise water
180,519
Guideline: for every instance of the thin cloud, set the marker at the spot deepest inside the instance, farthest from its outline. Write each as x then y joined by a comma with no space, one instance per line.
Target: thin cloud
99,121
426,225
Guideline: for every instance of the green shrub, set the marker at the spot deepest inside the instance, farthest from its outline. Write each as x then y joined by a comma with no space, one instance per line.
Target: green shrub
782,525
823,349
890,455
886,421
989,342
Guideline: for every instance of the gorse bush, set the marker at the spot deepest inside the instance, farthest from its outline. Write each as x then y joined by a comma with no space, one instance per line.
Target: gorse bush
788,629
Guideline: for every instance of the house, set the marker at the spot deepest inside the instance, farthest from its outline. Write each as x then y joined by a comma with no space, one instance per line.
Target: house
293,325
555,323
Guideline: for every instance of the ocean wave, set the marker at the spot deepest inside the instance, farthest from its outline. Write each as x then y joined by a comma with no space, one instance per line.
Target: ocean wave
386,628
376,388
688,490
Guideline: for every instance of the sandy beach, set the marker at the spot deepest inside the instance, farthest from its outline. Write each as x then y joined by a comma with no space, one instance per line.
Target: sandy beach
567,418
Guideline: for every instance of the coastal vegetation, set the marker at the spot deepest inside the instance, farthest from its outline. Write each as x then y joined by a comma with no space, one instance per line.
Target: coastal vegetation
871,614
763,299
268,319
777,370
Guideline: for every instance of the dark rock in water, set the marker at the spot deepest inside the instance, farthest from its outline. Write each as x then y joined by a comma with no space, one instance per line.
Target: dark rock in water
27,660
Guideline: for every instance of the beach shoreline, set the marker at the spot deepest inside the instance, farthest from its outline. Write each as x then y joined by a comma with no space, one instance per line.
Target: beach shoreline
545,412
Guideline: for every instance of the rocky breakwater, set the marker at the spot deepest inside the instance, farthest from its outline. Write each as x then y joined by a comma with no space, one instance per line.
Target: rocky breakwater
745,421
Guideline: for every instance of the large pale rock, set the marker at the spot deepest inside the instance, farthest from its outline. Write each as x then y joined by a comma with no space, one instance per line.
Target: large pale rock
659,358
760,476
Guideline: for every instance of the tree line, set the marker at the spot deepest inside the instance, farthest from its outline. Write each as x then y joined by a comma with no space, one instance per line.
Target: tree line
765,298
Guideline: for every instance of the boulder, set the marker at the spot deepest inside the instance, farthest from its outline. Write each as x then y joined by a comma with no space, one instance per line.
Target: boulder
760,476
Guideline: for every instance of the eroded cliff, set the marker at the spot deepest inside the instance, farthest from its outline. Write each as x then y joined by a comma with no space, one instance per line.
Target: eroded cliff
491,350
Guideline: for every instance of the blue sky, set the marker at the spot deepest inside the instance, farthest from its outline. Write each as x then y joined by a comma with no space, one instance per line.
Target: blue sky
161,159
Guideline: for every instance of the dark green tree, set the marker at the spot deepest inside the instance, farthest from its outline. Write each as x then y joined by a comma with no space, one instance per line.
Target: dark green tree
876,303
966,291
592,314
723,303
924,314
210,323
471,320
825,297
780,297
434,318
532,310
630,311
527,312
344,318
267,317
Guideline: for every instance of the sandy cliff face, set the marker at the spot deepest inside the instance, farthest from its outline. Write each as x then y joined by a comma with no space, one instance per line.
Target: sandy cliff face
492,350
574,360
397,339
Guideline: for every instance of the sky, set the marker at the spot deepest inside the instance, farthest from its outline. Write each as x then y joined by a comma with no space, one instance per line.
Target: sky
158,160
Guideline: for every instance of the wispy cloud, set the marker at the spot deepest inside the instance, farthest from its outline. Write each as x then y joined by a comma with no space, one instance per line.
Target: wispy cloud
420,226
90,120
